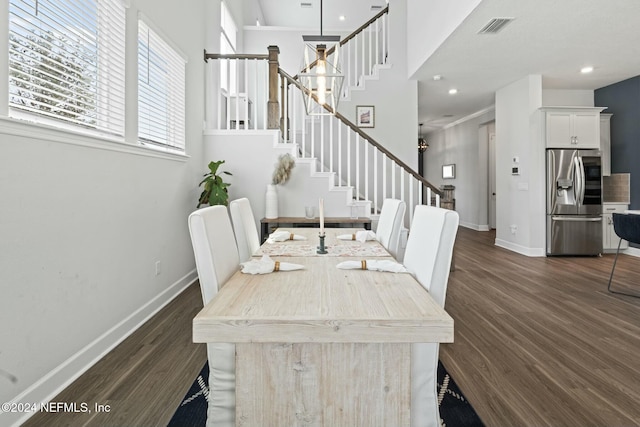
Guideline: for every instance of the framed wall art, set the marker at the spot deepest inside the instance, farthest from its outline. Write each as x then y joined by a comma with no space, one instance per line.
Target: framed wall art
365,116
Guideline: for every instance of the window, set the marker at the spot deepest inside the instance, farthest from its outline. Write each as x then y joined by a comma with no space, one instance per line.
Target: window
227,46
161,91
66,63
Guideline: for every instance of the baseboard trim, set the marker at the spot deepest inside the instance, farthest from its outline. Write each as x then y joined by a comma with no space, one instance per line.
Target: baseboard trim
530,252
64,374
475,227
632,251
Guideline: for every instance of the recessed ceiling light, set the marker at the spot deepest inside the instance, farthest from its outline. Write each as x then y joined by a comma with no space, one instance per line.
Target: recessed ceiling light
585,70
341,17
437,77
453,91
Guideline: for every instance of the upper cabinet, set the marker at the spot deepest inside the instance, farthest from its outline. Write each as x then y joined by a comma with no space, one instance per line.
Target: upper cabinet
572,127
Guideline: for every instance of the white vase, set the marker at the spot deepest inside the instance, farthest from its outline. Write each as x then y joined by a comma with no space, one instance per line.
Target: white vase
271,202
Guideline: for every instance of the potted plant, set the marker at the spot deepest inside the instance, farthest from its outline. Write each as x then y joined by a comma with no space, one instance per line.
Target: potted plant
215,189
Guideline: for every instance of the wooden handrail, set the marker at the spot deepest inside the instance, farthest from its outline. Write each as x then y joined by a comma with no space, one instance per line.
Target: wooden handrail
368,138
362,27
350,36
208,56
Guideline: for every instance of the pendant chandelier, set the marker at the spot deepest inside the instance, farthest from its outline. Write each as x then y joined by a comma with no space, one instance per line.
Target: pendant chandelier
321,74
422,143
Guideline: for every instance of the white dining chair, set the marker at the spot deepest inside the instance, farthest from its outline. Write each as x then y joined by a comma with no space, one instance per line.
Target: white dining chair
216,255
428,258
390,224
244,226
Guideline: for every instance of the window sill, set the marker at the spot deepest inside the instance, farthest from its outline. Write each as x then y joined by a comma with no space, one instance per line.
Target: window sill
25,128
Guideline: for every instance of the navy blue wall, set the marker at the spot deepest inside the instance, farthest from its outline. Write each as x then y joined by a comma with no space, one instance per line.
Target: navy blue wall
622,99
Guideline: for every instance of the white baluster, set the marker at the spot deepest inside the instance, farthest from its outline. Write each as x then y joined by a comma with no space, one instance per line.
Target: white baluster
366,170
236,90
384,38
375,180
357,165
331,120
377,41
245,67
340,153
403,196
384,177
393,180
313,137
322,143
411,205
349,158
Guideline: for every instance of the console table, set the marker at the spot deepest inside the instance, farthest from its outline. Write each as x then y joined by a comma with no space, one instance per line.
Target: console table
268,225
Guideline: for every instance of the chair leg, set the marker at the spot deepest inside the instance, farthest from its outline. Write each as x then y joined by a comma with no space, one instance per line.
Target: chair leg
611,276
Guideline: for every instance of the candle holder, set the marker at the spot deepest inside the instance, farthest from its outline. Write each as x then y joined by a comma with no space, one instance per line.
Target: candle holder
321,248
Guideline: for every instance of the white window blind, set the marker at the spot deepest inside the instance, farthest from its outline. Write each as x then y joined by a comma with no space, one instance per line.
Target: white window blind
66,62
161,91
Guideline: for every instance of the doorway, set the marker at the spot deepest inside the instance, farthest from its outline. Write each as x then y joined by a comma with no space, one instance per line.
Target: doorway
491,169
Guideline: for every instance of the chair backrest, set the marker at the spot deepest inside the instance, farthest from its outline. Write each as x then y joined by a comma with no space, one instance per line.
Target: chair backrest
214,247
627,227
430,248
390,224
244,225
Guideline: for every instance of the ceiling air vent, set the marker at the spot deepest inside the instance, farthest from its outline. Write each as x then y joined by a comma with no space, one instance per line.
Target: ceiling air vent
306,4
494,25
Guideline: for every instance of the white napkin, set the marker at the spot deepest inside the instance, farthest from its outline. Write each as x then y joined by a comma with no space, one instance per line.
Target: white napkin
266,265
371,264
283,236
360,236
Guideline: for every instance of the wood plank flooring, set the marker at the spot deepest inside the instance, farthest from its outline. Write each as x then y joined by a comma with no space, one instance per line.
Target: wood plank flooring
144,378
538,342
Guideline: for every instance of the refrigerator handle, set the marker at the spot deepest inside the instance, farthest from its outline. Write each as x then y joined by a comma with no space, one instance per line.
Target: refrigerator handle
577,218
583,180
577,173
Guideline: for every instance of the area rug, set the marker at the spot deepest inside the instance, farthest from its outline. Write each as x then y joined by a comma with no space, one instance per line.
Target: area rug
455,411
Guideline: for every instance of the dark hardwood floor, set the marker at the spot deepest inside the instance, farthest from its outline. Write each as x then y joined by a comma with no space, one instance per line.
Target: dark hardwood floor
538,342
143,379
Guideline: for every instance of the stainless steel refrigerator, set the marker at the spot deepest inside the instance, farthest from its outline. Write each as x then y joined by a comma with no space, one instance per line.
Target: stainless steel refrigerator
574,202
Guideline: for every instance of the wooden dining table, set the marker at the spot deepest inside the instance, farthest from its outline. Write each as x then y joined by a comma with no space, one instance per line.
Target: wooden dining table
323,346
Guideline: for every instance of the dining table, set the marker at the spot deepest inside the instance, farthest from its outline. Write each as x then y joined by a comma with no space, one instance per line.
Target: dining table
323,346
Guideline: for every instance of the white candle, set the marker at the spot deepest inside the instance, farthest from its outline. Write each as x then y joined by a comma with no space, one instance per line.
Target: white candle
321,216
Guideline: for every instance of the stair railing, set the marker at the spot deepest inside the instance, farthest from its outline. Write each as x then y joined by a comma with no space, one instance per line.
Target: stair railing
248,86
356,159
363,51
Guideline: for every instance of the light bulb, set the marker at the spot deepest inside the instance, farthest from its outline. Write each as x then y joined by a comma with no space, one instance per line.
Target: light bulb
322,81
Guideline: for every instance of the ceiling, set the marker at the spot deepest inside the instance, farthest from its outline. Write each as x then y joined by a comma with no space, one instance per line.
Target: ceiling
548,37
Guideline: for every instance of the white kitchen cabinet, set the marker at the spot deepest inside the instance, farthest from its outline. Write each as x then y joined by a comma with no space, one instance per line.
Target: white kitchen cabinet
609,237
572,127
605,142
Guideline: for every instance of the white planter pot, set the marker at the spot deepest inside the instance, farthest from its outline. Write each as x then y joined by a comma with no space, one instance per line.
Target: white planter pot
271,202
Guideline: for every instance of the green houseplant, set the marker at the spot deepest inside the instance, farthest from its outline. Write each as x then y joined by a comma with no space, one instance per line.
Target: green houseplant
215,189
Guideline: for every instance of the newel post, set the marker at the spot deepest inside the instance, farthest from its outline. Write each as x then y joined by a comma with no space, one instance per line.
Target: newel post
273,109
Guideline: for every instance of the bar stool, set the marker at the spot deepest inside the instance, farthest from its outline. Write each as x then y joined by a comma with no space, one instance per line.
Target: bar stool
627,227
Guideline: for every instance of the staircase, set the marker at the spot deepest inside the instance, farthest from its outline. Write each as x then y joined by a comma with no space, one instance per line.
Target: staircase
336,160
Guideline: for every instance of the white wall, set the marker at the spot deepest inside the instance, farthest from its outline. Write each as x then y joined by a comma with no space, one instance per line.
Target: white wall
83,223
567,97
460,144
429,23
520,198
